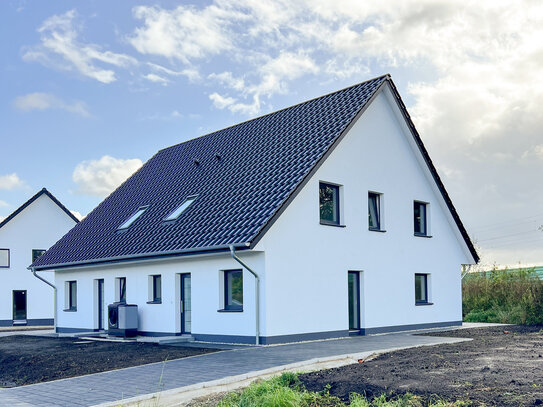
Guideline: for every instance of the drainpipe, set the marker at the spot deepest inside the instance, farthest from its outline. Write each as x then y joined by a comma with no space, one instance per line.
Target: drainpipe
257,291
54,295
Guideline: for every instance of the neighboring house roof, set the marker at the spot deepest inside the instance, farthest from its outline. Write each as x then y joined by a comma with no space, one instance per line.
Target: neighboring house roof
43,191
244,176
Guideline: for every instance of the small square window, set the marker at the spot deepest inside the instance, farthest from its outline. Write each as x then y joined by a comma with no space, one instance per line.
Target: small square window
420,213
374,211
421,289
70,296
233,290
36,253
4,258
329,204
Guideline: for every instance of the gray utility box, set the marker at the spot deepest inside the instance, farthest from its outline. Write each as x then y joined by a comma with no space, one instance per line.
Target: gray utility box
122,319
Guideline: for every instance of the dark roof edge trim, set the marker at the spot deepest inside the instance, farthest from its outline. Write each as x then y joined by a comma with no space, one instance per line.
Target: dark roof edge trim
317,165
27,203
142,257
387,76
434,172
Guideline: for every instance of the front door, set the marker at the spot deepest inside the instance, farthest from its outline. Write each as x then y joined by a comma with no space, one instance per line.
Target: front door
100,304
186,307
19,307
354,300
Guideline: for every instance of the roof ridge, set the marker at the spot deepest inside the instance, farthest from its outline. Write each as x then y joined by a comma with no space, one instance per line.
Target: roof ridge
387,76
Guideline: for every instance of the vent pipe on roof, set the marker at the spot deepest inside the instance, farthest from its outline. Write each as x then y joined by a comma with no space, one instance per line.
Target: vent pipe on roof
257,292
54,295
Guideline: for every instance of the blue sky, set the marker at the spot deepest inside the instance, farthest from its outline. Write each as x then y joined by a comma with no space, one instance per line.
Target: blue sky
89,90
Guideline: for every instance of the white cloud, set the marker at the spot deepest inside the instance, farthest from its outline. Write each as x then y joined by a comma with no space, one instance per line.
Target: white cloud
10,181
44,101
3,204
156,78
184,33
101,177
61,48
190,73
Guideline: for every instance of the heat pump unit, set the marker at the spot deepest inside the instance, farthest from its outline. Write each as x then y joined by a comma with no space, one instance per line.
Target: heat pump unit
122,319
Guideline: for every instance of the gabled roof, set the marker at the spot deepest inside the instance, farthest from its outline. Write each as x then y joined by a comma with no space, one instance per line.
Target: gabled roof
43,191
244,176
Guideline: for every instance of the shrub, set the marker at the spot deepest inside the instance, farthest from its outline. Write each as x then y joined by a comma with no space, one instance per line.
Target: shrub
503,296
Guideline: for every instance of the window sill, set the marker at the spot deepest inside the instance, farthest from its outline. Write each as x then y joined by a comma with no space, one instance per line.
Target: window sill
154,302
230,310
421,235
424,303
337,225
376,230
70,310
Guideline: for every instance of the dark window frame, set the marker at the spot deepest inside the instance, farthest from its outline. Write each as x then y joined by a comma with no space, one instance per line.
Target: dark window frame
122,289
156,293
232,307
9,259
426,300
377,196
337,222
34,252
72,296
424,205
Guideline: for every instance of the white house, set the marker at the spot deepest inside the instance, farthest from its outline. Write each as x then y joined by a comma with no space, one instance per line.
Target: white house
334,204
25,235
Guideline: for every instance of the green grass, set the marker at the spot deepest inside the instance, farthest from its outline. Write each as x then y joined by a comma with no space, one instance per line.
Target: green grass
503,296
288,391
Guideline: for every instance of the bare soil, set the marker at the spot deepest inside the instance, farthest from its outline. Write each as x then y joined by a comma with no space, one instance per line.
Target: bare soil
32,359
501,366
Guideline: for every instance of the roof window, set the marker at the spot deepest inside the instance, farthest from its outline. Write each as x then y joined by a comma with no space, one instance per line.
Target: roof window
133,218
175,214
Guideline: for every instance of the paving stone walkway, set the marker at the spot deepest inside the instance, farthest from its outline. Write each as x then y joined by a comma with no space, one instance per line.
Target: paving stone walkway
136,381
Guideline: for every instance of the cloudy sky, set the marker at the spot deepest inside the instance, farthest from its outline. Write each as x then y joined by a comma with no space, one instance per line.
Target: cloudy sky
90,90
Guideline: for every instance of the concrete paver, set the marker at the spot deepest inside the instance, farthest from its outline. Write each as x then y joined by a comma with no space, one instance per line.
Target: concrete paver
137,381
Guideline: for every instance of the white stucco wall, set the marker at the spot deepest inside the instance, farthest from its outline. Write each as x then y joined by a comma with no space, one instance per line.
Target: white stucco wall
165,317
38,226
307,263
304,265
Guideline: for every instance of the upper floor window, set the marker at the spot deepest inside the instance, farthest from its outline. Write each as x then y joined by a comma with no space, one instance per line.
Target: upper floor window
36,253
374,211
329,203
420,212
133,218
182,208
4,258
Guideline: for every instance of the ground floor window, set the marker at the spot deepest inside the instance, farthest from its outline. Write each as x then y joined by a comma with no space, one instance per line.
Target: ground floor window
120,287
421,289
70,296
354,300
233,290
155,289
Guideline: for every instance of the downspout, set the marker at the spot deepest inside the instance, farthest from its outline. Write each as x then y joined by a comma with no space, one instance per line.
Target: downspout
257,291
54,295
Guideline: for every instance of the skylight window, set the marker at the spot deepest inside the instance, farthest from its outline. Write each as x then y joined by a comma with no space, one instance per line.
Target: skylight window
175,214
133,218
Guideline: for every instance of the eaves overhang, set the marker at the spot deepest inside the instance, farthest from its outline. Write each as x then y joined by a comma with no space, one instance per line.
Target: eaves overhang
144,257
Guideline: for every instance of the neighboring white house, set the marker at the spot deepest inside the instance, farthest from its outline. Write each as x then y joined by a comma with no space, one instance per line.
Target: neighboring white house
333,203
25,235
